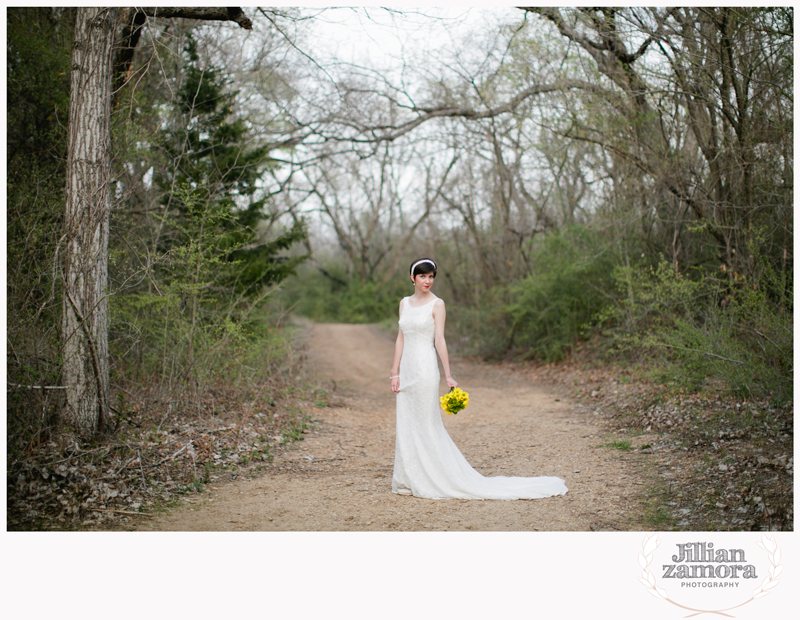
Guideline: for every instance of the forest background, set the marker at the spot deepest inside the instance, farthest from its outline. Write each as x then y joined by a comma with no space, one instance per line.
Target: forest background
614,185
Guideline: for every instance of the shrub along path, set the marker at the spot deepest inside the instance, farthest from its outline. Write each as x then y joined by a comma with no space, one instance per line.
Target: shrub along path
339,477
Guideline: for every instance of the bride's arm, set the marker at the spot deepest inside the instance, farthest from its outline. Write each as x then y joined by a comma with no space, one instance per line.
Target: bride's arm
398,354
439,316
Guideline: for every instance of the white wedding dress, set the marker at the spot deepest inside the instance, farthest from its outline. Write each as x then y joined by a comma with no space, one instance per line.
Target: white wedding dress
427,463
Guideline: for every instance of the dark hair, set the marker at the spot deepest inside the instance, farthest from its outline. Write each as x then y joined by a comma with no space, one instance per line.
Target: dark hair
424,267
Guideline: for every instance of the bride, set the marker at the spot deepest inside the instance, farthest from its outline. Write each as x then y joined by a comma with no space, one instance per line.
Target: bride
427,462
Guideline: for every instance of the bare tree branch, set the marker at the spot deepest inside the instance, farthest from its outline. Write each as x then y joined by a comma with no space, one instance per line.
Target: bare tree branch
207,13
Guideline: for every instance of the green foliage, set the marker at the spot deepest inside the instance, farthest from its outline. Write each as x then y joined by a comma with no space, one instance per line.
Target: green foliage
38,103
343,300
38,63
212,253
623,445
710,329
296,428
653,298
190,322
482,330
218,173
259,264
210,144
555,307
656,508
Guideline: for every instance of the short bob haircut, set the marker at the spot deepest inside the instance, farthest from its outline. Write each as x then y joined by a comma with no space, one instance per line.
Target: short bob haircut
426,266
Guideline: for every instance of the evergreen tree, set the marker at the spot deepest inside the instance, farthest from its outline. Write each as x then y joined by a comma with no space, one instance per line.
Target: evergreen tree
215,162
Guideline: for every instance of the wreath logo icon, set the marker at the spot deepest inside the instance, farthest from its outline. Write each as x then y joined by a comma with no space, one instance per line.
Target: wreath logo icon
768,544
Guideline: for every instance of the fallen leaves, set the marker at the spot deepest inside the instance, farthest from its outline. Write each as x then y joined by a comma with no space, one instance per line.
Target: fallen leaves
721,463
151,462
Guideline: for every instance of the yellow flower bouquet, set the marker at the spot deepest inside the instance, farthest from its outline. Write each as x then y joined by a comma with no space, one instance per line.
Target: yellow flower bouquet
454,401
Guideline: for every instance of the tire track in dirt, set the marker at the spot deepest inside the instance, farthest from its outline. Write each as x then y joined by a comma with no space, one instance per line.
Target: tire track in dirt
339,477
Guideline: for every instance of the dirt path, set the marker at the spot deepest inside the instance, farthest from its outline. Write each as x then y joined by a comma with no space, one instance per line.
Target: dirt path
339,477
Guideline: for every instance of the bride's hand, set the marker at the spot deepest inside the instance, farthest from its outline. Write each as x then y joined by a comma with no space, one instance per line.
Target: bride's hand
395,383
451,383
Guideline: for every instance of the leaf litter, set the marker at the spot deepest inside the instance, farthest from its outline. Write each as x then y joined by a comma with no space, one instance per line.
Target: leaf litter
716,462
161,453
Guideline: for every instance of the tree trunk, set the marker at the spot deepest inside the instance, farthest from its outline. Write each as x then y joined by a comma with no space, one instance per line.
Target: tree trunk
84,324
88,203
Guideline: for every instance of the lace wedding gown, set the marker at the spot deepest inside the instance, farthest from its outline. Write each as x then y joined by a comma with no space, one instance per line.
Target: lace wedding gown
427,462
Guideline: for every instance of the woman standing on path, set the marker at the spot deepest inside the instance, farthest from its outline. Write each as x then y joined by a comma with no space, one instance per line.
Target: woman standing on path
427,462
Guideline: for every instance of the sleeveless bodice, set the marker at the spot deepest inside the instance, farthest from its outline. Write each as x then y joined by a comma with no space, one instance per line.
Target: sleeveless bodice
419,369
417,323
